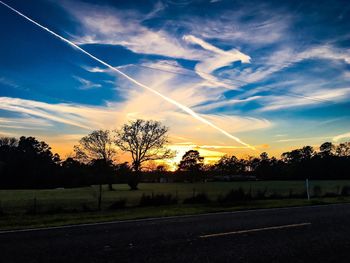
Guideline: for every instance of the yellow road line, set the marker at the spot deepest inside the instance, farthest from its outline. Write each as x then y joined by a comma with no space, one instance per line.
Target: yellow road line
255,230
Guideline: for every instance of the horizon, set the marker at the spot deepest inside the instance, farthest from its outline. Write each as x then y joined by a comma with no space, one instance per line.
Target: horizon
273,75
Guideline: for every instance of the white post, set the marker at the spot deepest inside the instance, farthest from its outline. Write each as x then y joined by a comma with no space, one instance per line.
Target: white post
307,189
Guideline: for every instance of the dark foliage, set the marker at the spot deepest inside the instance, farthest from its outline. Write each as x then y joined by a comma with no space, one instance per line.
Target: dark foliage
317,191
157,200
28,163
345,191
201,198
119,204
235,195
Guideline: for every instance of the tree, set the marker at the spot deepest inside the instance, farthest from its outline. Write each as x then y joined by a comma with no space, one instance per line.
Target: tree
8,142
27,162
191,162
145,141
229,164
326,149
97,146
264,156
343,149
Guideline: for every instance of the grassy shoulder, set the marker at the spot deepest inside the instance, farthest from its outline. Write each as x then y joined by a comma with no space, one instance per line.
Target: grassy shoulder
8,222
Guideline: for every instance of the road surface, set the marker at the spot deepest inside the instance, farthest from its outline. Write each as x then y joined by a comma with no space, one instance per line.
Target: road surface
305,234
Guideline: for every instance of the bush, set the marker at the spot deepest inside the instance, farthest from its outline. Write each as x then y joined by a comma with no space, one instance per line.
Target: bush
197,199
55,209
317,191
157,200
276,195
234,195
261,194
345,191
2,213
293,195
119,204
330,194
86,208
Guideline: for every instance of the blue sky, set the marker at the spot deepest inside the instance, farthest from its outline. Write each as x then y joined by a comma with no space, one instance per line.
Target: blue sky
275,74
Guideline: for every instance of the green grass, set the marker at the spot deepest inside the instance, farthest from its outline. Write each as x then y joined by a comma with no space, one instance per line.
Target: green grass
46,220
19,201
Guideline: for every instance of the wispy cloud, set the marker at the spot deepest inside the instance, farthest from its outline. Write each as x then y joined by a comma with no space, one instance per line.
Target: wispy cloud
341,137
124,27
87,84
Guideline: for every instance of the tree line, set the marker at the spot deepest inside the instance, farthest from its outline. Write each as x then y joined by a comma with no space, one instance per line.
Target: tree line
29,163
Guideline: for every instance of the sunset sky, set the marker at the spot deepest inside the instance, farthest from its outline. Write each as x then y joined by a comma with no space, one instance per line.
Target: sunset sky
274,75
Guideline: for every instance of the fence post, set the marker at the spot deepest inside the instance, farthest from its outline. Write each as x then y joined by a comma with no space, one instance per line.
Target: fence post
307,189
100,197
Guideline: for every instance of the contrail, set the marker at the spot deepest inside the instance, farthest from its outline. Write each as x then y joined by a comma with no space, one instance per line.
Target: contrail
174,102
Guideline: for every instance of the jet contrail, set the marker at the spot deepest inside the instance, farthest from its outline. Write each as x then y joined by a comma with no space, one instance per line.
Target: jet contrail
174,102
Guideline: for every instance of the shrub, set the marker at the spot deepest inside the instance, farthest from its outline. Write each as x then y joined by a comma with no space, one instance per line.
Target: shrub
297,195
197,199
317,191
261,194
2,213
345,191
157,200
275,195
233,196
86,208
119,204
56,209
330,194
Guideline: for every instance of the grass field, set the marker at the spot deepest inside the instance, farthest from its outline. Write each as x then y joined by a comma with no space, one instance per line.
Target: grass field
18,201
8,222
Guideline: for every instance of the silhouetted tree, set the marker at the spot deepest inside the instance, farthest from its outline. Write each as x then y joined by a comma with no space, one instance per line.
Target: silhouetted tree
191,162
97,147
326,149
229,165
145,141
343,149
28,162
75,173
8,142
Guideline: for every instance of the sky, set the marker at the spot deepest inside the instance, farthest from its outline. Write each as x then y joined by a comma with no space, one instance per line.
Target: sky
226,77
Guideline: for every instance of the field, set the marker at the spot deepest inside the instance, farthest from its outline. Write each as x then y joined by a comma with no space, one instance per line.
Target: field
57,207
19,201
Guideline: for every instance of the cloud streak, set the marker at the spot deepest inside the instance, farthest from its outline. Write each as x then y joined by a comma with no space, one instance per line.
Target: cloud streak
179,105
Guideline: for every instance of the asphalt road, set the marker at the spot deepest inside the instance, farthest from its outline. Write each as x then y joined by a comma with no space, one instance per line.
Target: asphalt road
306,234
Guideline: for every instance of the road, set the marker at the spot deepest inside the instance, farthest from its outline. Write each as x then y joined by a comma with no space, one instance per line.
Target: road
304,234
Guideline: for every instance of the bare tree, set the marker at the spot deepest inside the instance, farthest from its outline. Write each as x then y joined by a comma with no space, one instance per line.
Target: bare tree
8,141
98,150
98,145
145,141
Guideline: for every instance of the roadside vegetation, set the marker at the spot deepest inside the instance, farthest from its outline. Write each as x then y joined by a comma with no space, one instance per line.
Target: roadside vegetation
33,208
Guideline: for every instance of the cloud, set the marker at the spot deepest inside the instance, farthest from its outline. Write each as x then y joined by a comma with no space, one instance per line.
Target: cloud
170,100
326,52
83,117
24,123
308,98
110,26
341,136
224,102
217,59
87,84
257,25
